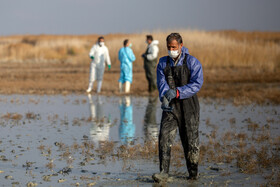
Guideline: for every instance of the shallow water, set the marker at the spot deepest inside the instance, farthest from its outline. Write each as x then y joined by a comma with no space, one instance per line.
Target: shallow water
39,135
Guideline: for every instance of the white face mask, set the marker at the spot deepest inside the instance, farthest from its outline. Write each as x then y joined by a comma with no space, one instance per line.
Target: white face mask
101,44
173,54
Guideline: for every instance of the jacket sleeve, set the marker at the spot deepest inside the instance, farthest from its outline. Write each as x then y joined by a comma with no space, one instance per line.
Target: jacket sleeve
154,53
107,57
161,81
119,56
196,80
130,55
92,50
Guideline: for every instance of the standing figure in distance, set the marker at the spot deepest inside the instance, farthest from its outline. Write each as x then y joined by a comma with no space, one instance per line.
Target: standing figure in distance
99,54
126,58
179,78
150,61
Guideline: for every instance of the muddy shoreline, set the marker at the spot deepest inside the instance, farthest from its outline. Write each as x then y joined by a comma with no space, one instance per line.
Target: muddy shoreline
242,85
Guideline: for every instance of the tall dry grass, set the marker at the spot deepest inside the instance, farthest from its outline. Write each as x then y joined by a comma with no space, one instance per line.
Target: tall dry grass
213,49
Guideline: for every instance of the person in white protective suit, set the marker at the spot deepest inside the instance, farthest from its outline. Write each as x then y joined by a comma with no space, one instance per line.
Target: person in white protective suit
99,54
126,57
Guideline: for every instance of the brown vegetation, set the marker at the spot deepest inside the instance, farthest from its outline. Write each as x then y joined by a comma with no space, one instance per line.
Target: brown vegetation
241,150
12,116
243,66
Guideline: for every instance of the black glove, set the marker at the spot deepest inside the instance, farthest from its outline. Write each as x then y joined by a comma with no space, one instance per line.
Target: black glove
170,94
144,55
165,105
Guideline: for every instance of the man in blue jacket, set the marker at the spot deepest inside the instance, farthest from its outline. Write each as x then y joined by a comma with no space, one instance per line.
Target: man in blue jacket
179,78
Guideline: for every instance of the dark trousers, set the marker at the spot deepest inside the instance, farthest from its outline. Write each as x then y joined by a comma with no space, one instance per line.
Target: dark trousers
188,124
150,70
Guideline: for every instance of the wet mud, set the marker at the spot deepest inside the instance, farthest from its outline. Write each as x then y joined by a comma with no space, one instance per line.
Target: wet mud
91,140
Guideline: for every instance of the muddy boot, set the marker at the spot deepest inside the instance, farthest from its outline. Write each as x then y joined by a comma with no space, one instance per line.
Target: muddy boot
193,174
192,177
162,177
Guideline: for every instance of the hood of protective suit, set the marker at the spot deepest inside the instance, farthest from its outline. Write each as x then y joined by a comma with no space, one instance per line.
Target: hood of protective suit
185,50
155,42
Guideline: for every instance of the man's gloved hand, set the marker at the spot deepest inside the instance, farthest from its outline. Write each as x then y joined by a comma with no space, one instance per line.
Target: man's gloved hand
144,55
165,105
109,67
170,94
92,57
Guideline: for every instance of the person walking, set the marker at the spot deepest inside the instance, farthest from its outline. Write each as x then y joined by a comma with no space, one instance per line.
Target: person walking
150,61
99,54
126,57
179,78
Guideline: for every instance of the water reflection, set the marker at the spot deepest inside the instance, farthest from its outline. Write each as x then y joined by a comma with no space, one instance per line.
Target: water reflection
100,127
126,128
28,140
150,121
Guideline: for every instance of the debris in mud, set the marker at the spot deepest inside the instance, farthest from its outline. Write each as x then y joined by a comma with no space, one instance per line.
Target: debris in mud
46,178
65,170
50,165
61,180
27,165
33,116
233,145
15,183
91,184
12,116
214,168
84,171
8,177
3,158
31,184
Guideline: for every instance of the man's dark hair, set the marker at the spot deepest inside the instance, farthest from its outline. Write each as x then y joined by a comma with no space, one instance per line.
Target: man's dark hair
99,38
125,42
174,36
149,37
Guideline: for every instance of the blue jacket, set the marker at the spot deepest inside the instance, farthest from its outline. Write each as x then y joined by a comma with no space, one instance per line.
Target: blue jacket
196,78
126,58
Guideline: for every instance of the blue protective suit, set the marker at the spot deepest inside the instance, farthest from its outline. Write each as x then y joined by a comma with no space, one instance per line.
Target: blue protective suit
127,128
126,57
196,78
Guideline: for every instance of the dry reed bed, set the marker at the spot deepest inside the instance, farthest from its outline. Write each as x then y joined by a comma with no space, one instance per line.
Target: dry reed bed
214,49
243,66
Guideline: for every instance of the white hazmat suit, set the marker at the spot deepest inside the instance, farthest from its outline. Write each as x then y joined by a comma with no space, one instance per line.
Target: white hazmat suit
99,53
